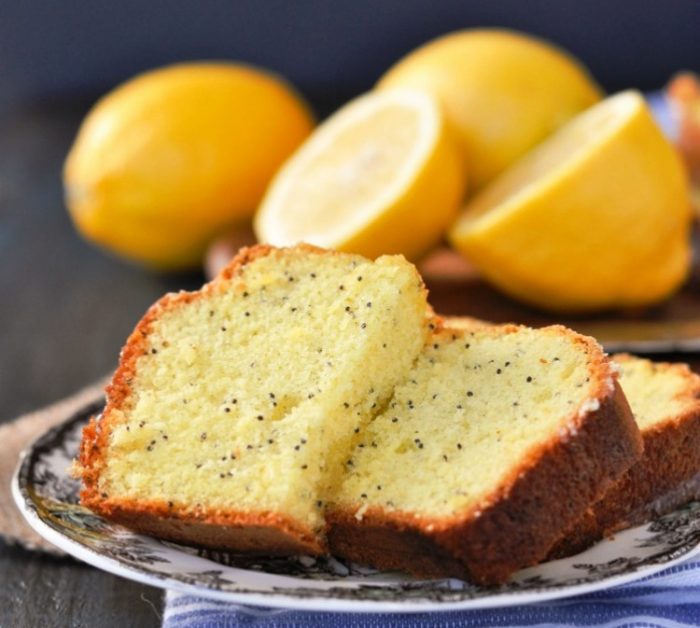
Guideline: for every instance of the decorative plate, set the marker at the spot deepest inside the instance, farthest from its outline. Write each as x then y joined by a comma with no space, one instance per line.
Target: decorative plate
48,498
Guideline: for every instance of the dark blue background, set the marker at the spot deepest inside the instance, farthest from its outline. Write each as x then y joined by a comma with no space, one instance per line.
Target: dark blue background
330,50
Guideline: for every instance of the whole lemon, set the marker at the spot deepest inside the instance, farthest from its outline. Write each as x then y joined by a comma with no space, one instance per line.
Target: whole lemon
176,156
503,92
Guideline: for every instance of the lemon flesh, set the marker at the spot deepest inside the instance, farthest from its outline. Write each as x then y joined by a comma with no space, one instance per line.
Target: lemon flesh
382,175
503,92
174,157
595,217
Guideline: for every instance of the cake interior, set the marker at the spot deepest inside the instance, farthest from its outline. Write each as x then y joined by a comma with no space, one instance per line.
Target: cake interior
474,407
657,392
247,397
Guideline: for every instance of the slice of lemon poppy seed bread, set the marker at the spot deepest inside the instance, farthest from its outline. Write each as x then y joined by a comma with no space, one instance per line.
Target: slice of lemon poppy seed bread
665,400
495,443
233,406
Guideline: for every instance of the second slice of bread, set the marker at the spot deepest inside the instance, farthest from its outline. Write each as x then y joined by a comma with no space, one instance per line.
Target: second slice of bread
665,401
498,440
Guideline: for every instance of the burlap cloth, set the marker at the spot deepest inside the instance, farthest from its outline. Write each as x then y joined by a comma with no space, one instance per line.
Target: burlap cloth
14,437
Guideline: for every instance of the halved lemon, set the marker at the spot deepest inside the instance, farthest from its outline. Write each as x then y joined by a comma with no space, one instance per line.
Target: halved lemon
595,217
382,175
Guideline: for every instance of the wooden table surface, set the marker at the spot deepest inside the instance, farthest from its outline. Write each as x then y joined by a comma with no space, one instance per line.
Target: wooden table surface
65,310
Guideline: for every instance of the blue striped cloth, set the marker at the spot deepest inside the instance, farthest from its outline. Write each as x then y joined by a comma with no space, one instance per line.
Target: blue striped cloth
670,598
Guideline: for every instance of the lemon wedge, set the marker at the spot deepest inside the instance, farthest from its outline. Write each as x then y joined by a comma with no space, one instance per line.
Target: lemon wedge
382,175
595,217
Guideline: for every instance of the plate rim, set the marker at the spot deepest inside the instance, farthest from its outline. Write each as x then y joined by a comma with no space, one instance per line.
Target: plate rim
280,600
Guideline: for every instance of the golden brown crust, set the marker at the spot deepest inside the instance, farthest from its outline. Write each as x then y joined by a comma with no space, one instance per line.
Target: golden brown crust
252,532
660,482
681,494
390,541
243,531
519,524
